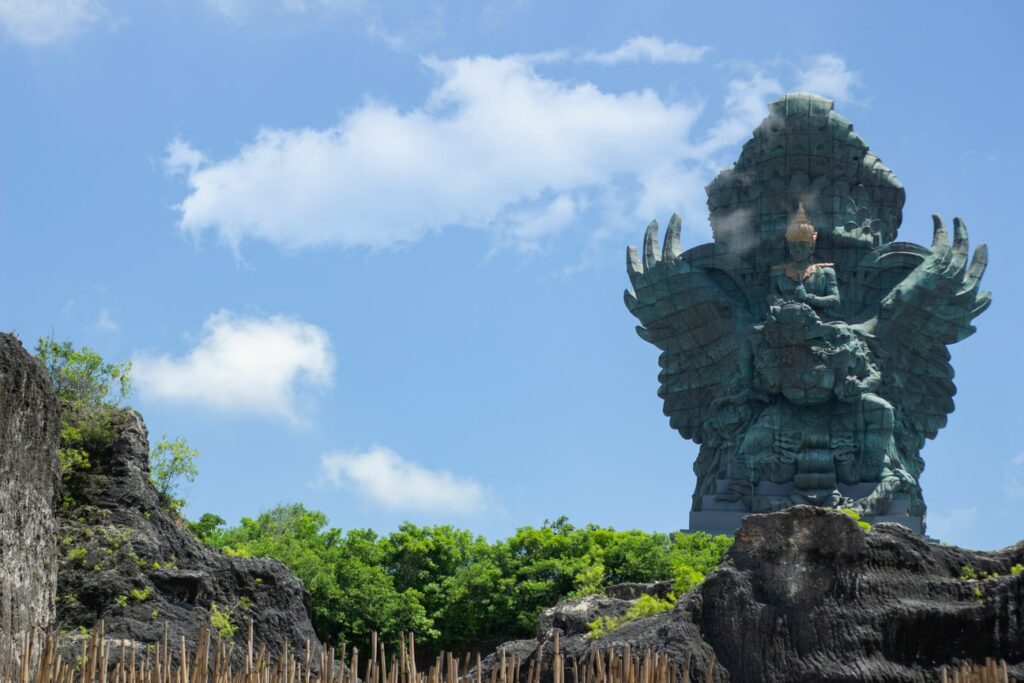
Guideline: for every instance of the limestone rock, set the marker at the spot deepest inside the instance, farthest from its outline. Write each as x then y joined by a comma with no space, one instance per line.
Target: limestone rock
128,561
573,617
29,480
632,591
805,594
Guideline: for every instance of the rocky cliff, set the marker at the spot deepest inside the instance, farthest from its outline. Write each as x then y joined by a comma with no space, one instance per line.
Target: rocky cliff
29,478
807,595
129,561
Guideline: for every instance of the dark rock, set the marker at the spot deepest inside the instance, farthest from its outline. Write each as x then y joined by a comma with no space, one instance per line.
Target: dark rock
805,594
29,481
573,617
632,591
127,560
821,599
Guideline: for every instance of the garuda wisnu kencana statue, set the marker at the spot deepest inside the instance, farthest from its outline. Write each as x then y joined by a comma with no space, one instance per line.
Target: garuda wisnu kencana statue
805,349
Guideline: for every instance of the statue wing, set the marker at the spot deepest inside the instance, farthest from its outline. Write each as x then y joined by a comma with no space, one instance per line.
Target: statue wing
928,310
694,316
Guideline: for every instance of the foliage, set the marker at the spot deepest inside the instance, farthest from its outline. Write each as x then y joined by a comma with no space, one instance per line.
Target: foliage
452,588
645,606
968,573
171,462
222,620
141,594
88,390
206,526
866,526
121,600
1016,569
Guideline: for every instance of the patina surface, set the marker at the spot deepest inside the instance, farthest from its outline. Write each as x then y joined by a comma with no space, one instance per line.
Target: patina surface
805,349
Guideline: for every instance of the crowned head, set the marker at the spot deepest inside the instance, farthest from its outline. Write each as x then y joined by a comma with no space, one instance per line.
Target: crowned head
800,228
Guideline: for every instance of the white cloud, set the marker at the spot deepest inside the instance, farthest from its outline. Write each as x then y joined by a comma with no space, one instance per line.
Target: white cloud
827,75
182,158
399,484
745,102
260,366
496,145
398,24
106,323
953,525
37,22
649,49
493,135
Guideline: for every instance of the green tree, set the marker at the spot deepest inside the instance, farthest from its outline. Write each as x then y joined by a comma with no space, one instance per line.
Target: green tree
88,390
207,528
171,463
452,588
352,592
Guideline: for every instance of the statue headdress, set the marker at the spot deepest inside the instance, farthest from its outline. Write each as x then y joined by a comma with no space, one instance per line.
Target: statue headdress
800,228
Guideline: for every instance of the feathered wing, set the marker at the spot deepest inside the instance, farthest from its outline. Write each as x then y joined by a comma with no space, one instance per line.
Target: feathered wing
686,312
928,310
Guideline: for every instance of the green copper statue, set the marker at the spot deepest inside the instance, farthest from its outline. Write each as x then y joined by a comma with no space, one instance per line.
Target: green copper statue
805,349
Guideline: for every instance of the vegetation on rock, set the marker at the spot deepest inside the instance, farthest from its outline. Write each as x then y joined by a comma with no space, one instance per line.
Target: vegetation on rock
88,390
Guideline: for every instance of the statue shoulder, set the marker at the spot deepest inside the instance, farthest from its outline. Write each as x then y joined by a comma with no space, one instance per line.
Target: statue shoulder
826,269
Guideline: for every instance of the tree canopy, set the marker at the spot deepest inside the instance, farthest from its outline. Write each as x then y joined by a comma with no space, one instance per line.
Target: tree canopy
454,589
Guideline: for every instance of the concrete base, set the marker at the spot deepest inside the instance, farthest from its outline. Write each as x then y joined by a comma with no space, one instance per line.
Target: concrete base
728,521
723,517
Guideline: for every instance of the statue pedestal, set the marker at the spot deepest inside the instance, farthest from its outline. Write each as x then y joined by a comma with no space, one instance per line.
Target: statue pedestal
723,517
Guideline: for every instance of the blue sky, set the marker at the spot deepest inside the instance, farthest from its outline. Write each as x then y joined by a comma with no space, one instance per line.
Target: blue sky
369,256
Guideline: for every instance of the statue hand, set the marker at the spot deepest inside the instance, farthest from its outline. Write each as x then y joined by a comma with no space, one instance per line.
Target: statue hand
800,294
850,389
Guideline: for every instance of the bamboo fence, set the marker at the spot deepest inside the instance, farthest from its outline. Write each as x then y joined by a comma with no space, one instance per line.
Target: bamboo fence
105,660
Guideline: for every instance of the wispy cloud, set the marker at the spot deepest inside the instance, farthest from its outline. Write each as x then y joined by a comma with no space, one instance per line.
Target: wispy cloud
105,322
745,101
953,525
268,366
39,22
386,478
400,25
649,49
828,76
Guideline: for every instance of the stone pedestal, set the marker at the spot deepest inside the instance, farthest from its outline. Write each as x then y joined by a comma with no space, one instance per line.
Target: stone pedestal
723,517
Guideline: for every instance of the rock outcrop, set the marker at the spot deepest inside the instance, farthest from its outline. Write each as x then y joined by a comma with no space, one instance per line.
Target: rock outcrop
127,560
29,480
807,595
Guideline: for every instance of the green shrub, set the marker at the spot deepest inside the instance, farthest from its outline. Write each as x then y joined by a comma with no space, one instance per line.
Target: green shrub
1016,569
866,526
223,621
170,463
77,554
968,573
141,594
121,600
645,606
88,390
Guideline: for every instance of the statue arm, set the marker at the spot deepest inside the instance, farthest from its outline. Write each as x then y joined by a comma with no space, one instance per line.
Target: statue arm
831,296
775,297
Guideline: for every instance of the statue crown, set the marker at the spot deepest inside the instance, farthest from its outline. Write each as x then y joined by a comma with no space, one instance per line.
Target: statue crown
800,228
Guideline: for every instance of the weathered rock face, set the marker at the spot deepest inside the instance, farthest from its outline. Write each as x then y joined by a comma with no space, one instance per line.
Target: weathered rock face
807,595
127,560
29,479
573,617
